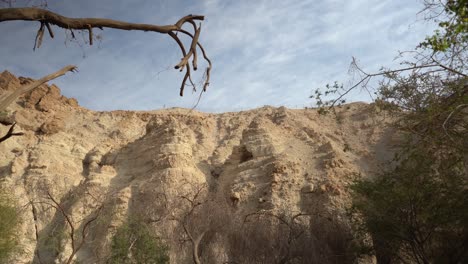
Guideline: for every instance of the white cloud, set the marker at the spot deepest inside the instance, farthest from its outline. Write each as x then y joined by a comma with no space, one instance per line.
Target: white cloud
264,52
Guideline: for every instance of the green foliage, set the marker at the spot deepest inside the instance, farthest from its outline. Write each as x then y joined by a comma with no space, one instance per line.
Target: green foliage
453,27
4,117
415,212
324,106
9,224
135,243
439,59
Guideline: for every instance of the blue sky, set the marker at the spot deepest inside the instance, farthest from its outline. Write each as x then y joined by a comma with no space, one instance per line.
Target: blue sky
264,52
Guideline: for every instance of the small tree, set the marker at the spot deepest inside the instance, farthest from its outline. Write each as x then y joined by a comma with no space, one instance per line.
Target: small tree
64,227
416,211
270,237
200,221
134,243
192,202
414,216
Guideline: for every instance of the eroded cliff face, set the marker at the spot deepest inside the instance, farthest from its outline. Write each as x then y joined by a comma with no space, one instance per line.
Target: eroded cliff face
187,174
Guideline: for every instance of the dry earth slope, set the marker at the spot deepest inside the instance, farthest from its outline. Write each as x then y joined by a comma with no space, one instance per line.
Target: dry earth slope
267,162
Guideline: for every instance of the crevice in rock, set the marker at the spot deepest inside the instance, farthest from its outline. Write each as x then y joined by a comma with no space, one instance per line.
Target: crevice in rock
245,154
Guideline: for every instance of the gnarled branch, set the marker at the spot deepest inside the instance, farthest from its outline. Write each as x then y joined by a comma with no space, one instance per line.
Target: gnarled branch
27,88
46,17
76,243
11,133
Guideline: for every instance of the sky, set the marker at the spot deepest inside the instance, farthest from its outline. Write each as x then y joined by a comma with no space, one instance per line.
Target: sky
264,52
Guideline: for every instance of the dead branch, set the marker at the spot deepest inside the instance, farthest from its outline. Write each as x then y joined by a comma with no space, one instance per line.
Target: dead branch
61,210
294,229
444,125
195,241
10,133
289,221
49,29
368,76
208,69
433,66
76,246
84,232
194,202
36,229
27,88
47,17
39,35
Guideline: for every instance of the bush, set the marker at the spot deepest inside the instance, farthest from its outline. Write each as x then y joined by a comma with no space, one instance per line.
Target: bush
416,210
9,224
135,243
414,214
265,237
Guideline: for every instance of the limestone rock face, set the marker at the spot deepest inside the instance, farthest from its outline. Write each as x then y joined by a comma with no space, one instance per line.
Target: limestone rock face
158,165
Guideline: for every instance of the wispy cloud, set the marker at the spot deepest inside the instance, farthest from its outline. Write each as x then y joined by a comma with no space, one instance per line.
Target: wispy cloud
264,52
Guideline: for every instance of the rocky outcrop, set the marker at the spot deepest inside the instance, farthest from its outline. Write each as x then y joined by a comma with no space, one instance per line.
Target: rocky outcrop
154,164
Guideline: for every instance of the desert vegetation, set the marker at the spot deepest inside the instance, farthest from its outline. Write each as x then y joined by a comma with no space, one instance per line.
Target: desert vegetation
134,242
9,225
415,210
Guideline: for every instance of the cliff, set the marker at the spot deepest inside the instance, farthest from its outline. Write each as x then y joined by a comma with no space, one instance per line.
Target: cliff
275,176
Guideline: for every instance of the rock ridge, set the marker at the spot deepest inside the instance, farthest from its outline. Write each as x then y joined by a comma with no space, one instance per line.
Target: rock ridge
144,163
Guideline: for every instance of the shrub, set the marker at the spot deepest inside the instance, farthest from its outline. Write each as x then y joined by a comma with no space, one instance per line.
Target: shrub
414,214
135,243
9,224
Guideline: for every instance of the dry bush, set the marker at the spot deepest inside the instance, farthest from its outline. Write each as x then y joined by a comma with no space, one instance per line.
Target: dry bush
268,238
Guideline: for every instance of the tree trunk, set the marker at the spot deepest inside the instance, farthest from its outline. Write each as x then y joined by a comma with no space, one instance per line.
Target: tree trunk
195,245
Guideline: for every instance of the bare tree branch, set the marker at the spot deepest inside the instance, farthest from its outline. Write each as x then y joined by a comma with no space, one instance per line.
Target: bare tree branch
10,133
76,243
47,17
39,35
49,29
208,69
428,63
193,198
37,14
444,125
27,88
368,76
36,229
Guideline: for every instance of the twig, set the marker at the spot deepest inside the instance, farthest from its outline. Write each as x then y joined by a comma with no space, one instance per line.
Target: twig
90,35
368,76
449,117
39,35
49,29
